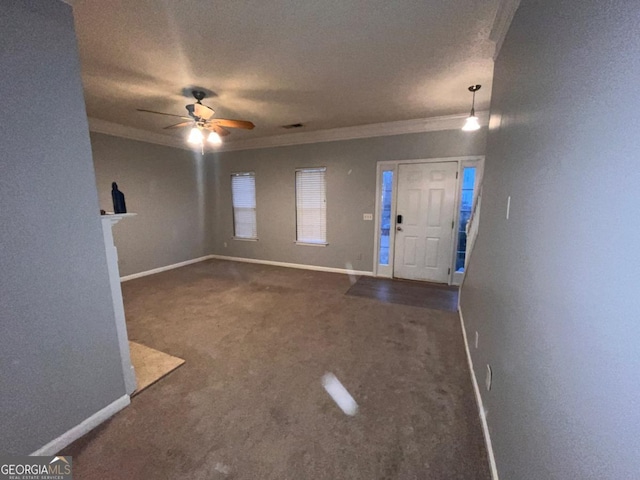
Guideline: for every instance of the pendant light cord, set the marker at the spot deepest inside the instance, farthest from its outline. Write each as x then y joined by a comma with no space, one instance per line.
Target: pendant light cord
473,89
473,105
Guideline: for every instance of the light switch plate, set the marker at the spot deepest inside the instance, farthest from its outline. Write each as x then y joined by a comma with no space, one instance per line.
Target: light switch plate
367,216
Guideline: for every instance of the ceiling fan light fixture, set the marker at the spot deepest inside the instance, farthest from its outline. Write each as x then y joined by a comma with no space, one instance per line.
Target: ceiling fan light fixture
472,124
202,126
214,138
195,136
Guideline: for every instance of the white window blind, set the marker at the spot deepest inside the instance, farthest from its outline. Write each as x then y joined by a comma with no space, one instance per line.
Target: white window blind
243,192
311,206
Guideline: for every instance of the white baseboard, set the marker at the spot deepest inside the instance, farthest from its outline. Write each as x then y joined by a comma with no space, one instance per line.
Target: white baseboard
483,415
70,436
301,266
316,268
165,268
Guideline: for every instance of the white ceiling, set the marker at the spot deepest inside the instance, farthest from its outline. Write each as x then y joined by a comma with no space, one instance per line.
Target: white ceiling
324,63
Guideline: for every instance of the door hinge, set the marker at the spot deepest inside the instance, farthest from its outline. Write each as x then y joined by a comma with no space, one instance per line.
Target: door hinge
449,271
456,174
452,223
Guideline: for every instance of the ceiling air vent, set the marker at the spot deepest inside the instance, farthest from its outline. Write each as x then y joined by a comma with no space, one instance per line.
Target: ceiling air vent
293,125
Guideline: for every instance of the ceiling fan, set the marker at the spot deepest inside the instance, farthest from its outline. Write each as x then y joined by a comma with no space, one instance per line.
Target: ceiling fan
201,121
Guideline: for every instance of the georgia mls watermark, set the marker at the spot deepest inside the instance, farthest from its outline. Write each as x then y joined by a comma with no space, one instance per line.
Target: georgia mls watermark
14,467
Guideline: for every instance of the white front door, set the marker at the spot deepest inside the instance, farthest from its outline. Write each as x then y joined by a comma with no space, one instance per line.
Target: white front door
424,221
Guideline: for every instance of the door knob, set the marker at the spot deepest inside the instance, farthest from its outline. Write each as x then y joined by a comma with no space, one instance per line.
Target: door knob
399,229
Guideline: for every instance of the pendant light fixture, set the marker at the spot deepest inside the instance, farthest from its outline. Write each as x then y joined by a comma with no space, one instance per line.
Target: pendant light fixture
471,123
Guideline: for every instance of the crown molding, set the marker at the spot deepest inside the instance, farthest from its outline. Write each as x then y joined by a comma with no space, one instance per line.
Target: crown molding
501,23
418,125
115,129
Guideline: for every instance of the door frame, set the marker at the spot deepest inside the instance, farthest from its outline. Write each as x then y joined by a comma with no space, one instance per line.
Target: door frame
386,271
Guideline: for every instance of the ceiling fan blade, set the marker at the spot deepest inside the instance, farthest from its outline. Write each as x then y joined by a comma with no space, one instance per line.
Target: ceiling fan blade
202,111
162,113
223,132
225,122
178,125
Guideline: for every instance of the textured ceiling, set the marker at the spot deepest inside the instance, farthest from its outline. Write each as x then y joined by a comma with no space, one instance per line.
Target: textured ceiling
323,63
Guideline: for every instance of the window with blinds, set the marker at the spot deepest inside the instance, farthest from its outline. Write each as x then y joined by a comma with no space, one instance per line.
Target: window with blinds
311,206
243,193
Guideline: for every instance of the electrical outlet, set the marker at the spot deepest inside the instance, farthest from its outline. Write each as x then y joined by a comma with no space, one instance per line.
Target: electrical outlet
225,244
367,216
476,339
489,378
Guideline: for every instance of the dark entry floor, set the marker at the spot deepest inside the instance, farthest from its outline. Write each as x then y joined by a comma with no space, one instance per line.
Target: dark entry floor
407,292
249,402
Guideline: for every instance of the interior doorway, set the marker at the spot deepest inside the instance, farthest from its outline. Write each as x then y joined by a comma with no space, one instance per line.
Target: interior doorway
422,210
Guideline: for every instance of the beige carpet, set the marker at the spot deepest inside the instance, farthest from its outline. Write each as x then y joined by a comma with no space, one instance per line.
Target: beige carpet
251,404
151,365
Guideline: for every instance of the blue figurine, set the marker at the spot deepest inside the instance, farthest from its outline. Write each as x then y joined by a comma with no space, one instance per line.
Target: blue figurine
118,199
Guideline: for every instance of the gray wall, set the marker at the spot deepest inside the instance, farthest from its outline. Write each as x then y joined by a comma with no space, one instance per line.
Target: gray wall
59,357
553,291
351,190
165,187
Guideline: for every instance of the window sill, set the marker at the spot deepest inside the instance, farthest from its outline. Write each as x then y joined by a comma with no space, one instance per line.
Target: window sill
245,239
311,244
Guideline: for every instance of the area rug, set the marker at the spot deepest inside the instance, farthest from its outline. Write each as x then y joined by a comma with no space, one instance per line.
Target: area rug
151,365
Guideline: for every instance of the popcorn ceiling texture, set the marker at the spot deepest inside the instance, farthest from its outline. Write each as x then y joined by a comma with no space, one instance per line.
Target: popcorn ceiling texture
326,63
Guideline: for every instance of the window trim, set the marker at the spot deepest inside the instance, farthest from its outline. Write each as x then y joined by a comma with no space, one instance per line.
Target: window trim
306,242
255,209
309,244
